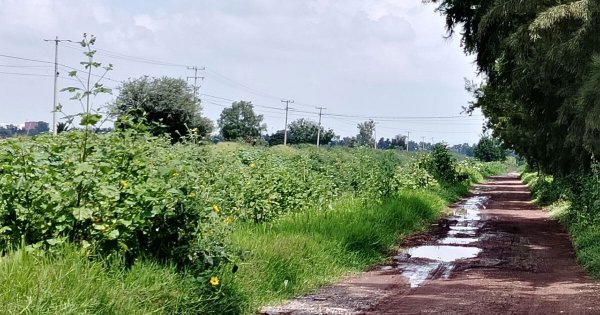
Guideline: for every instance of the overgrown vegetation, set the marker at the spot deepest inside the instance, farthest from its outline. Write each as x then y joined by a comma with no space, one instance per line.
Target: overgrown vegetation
135,197
575,201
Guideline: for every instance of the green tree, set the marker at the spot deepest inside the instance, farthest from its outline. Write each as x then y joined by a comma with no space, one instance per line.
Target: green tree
489,149
542,64
305,131
160,105
240,122
366,133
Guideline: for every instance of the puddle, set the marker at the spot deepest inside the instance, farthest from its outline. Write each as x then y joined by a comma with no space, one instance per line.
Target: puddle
430,261
459,240
444,253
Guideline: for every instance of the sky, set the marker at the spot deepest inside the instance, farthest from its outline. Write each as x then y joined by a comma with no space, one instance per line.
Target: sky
382,59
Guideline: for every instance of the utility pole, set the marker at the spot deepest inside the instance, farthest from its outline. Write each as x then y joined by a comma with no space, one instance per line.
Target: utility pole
54,104
196,77
407,140
319,130
287,107
375,134
423,143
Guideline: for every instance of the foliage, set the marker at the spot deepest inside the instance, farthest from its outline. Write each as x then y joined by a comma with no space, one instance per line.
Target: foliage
576,203
540,60
303,131
132,194
239,122
489,149
159,105
366,133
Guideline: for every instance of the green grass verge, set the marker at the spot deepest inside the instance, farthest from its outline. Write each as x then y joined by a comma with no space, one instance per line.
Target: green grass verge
585,233
300,252
69,283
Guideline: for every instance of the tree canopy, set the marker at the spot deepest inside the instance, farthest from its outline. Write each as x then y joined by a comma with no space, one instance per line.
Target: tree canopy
161,105
303,131
541,61
489,149
366,133
240,122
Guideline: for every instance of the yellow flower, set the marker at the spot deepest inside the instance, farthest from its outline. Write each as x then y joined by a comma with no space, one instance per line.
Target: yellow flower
124,183
228,220
252,165
216,208
214,280
192,195
175,174
195,130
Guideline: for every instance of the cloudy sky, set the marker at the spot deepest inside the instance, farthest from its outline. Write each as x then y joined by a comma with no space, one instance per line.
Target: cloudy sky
385,59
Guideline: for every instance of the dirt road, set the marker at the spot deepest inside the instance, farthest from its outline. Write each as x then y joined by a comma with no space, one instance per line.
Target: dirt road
496,254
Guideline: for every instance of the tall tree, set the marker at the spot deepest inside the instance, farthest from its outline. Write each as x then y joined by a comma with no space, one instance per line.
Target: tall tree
366,133
161,105
240,122
542,63
489,149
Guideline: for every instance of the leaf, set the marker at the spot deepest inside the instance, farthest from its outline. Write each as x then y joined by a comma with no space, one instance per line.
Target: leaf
82,214
90,119
113,234
73,73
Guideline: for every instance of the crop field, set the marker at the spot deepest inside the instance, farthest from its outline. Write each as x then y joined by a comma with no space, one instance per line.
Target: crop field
127,223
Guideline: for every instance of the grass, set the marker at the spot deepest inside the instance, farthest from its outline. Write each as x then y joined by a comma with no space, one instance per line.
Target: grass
585,233
69,283
298,253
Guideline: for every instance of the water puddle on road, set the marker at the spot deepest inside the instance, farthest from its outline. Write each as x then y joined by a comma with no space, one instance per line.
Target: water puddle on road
421,263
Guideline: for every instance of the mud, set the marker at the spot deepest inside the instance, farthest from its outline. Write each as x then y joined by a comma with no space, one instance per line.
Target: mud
495,253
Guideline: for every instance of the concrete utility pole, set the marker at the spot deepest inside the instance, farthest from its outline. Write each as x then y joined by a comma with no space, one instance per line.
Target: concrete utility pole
287,107
196,77
375,134
319,130
54,103
423,143
407,140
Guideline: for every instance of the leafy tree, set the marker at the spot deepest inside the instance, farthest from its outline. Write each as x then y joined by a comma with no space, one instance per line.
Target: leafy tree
239,122
160,105
489,149
542,64
366,132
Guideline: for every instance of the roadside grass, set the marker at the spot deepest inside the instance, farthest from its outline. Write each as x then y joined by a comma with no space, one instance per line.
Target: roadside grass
585,232
67,282
299,252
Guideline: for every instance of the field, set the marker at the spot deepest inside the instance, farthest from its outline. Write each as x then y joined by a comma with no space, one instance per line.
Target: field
127,223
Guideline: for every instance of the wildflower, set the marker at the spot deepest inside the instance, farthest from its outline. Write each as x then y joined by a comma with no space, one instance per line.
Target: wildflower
195,130
214,280
216,208
252,165
228,220
175,174
192,195
124,183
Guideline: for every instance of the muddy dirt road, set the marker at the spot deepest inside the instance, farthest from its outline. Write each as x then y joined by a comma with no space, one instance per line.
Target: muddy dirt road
495,254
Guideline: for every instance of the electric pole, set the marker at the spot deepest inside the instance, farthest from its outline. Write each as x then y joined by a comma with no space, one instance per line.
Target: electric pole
407,141
287,107
54,104
423,143
196,77
375,134
319,130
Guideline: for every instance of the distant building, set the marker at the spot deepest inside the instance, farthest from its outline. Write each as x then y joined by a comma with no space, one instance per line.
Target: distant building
31,125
